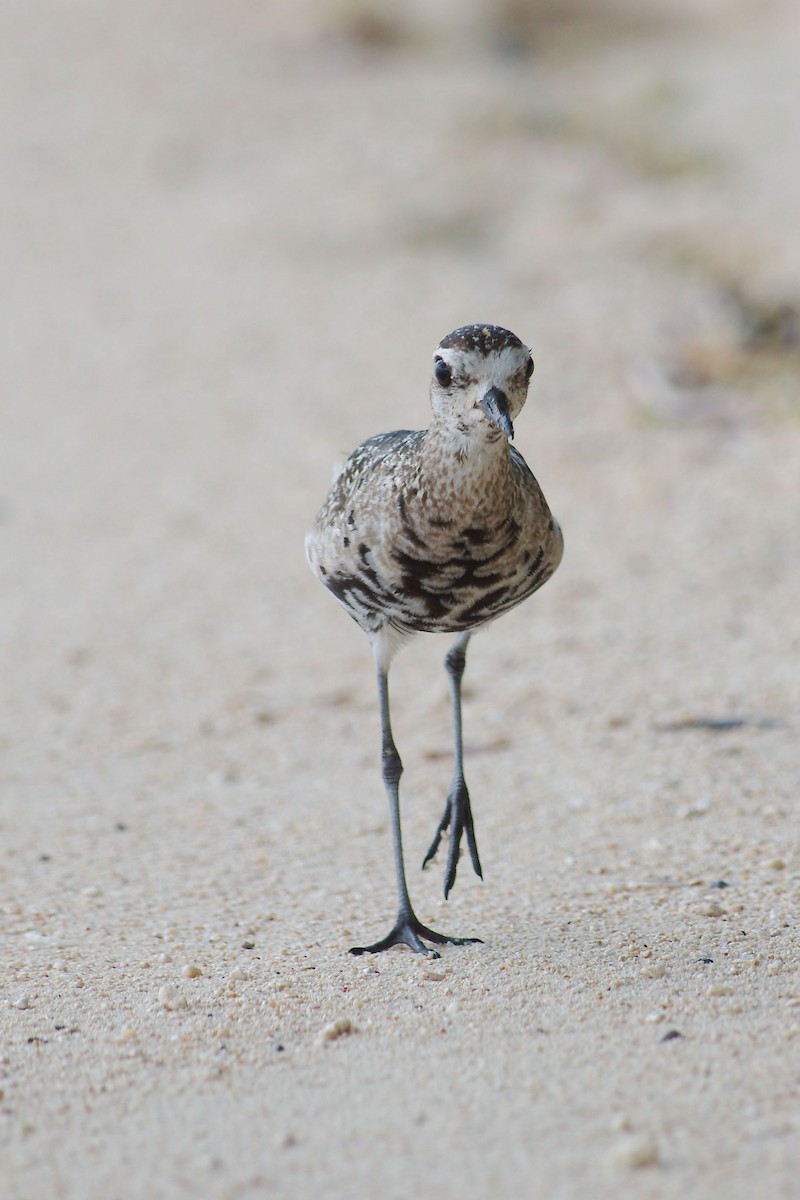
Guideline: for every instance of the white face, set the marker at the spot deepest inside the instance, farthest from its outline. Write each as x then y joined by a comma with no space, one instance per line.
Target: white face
464,374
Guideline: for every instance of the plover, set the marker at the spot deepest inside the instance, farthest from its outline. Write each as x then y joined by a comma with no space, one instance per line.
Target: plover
439,531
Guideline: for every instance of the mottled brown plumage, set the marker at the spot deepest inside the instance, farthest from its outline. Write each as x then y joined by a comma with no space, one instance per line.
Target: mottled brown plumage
439,531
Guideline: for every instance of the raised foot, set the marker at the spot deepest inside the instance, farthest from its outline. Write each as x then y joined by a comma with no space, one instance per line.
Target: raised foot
409,931
458,816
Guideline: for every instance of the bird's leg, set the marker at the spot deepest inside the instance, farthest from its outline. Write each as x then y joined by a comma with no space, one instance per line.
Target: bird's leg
407,929
457,811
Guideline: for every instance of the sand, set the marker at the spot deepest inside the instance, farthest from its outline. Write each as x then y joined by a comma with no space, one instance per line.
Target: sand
232,238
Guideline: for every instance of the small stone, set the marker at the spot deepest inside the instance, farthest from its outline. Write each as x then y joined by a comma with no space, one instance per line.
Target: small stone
698,808
190,971
339,1028
434,976
719,989
635,1152
22,1002
170,998
248,945
653,970
777,864
212,1163
238,975
712,909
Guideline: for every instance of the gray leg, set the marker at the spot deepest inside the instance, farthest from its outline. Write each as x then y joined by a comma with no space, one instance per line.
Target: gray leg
457,811
407,929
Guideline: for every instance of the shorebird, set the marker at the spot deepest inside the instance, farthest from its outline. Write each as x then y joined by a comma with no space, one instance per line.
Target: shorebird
439,531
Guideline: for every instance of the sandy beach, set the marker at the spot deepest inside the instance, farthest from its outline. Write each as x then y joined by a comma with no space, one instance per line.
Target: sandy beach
232,236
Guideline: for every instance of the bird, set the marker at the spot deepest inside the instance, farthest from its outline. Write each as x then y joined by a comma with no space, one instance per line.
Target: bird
438,531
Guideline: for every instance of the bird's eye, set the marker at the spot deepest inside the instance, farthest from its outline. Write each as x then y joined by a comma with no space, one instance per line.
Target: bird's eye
443,374
529,368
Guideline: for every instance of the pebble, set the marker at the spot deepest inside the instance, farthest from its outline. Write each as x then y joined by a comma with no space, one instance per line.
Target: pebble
190,971
435,976
653,970
635,1152
719,989
698,809
238,975
712,909
170,998
23,1001
337,1029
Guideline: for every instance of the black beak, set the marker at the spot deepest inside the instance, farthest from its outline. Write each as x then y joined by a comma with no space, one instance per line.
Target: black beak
495,405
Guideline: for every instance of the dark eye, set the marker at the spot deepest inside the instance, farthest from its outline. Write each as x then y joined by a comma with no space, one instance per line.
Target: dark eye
443,374
529,368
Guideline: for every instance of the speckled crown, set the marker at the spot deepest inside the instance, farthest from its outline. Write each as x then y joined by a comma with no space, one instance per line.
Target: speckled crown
483,338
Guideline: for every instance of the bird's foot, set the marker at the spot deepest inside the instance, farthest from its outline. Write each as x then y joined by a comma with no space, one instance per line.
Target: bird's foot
409,931
457,817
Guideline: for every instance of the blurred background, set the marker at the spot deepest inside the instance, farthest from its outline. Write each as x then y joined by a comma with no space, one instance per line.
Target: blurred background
232,234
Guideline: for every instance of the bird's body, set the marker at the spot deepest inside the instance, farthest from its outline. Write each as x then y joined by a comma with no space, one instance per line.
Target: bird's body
412,539
439,531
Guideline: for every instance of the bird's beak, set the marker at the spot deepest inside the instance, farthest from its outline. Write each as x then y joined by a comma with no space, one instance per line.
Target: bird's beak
495,405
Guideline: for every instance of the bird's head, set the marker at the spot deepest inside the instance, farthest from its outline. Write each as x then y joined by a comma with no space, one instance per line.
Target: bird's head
480,381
